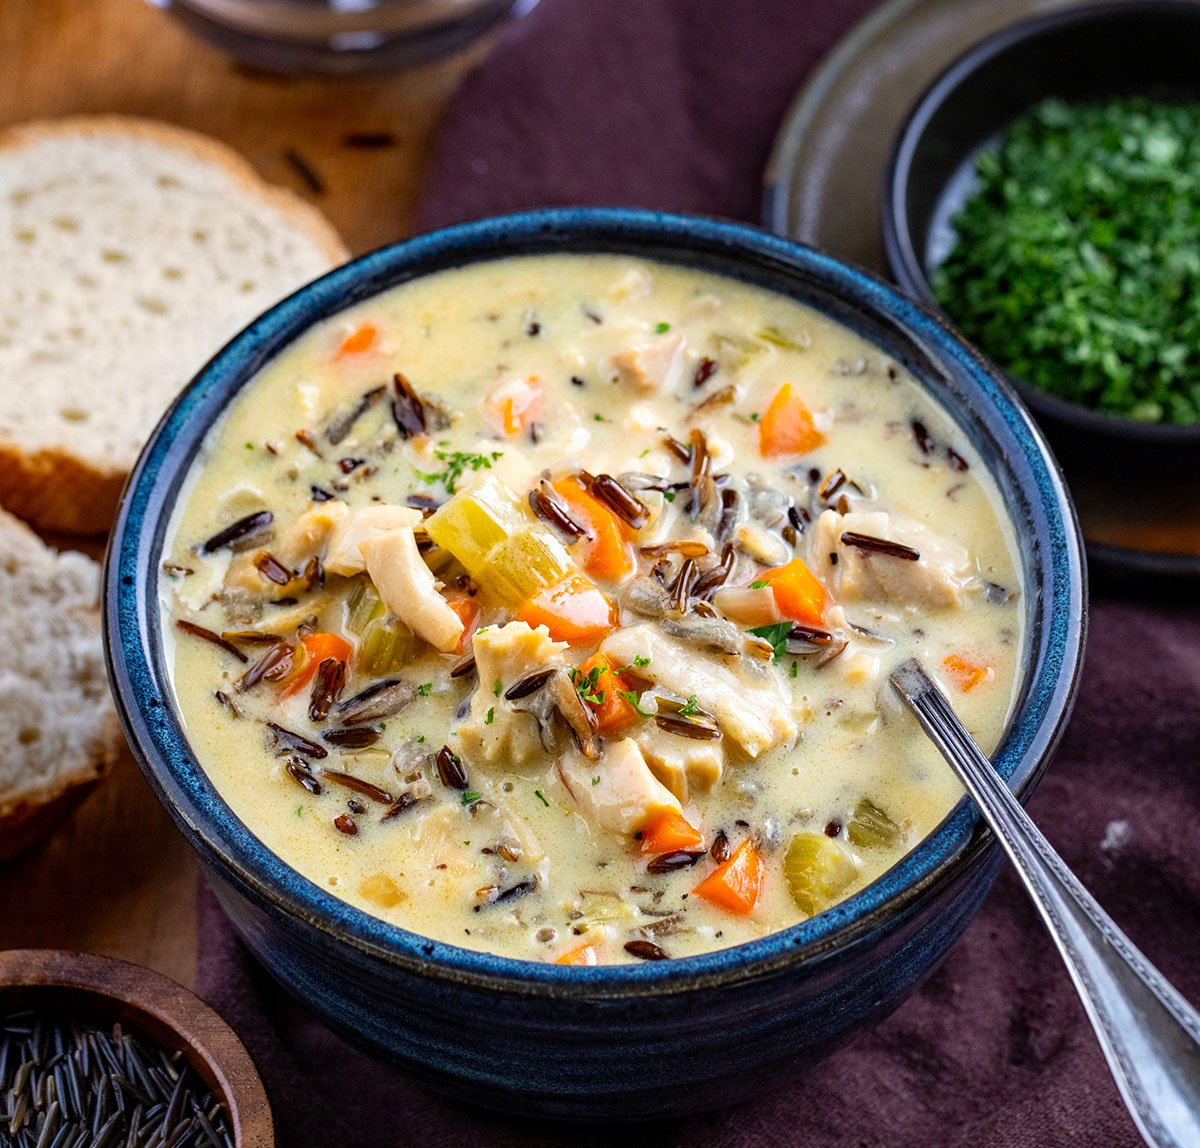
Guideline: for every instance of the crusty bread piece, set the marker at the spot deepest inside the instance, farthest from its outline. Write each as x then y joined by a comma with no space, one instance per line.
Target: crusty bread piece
131,251
58,729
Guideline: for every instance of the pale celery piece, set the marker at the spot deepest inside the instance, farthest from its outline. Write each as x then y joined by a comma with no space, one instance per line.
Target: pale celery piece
817,870
490,529
869,827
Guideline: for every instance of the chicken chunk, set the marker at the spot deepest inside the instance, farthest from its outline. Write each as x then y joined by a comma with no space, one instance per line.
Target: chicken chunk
751,708
937,580
651,362
342,549
408,589
504,655
618,793
307,536
685,766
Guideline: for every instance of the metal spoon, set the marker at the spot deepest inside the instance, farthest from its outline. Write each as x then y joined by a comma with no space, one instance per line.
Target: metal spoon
1150,1035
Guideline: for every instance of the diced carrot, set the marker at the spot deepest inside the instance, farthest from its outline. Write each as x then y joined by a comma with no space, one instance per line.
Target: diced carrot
967,672
362,338
608,553
573,610
787,427
798,593
668,832
614,713
510,406
317,648
735,884
467,610
583,955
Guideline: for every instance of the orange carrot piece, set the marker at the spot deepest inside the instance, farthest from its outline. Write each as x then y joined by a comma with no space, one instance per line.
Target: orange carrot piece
583,955
967,672
735,884
668,832
798,593
361,339
511,405
573,610
787,426
614,713
317,648
608,554
467,610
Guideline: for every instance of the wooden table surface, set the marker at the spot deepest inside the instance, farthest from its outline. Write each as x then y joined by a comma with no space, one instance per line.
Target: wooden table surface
116,878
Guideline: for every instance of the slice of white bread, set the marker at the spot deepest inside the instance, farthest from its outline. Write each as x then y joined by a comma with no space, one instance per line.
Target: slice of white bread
58,729
131,251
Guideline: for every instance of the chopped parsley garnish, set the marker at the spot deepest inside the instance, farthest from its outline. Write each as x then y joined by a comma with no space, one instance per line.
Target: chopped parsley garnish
497,687
1075,266
470,796
585,685
690,708
631,696
599,417
777,634
595,780
754,416
249,446
425,689
661,328
421,739
458,462
491,715
669,495
761,584
639,662
541,797
795,669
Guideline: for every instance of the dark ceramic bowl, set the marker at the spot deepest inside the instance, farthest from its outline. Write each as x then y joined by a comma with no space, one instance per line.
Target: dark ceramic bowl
1093,52
628,1041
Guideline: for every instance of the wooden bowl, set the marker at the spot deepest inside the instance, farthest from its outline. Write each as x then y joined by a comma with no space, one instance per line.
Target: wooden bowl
102,991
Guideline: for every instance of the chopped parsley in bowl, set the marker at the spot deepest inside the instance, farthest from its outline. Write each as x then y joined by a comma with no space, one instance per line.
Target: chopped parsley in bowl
1077,257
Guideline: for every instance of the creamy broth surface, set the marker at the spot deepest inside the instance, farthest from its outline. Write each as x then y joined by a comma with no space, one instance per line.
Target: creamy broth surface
727,783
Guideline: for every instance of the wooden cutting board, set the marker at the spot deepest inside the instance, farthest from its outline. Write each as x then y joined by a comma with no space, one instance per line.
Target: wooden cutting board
116,878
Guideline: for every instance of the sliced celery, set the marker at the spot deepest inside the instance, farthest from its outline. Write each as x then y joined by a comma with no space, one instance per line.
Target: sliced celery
869,826
386,645
818,870
777,338
363,605
524,564
490,529
476,520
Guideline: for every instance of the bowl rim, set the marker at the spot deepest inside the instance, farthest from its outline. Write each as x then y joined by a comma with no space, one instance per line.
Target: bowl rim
908,267
140,682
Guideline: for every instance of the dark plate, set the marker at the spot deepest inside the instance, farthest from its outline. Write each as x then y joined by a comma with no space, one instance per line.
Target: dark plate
1137,485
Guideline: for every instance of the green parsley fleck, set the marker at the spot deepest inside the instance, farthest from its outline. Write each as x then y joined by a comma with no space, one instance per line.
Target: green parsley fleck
425,689
662,328
640,661
754,416
585,685
595,780
795,668
777,635
497,687
458,462
299,810
470,796
669,495
467,842
491,715
761,584
599,417
690,708
541,797
420,739
631,696
249,446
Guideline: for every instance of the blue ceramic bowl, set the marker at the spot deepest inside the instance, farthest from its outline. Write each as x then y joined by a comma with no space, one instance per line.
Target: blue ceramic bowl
638,1040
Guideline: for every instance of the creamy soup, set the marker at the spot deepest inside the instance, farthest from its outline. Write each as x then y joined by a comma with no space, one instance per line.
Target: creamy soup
545,606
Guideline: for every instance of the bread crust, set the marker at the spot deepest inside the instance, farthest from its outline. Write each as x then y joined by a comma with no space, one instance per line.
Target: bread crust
57,490
54,488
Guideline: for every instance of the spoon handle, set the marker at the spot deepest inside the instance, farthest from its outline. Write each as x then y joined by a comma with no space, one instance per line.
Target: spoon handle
1150,1035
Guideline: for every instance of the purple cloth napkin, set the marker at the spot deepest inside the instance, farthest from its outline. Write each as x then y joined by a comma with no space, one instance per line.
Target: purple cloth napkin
673,103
